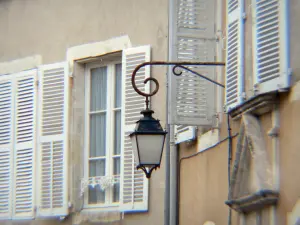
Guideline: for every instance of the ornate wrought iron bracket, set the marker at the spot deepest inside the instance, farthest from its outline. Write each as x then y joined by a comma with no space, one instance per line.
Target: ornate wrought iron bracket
181,65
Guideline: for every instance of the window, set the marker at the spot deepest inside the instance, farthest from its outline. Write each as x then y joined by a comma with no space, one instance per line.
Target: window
269,50
103,132
110,180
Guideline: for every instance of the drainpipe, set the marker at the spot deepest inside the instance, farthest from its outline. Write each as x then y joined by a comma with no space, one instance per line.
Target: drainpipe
167,172
173,178
169,127
173,154
274,134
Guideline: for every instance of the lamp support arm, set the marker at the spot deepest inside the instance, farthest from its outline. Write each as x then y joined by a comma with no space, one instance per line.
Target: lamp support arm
181,65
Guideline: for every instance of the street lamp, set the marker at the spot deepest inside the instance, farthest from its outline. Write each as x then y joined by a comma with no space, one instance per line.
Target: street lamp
148,137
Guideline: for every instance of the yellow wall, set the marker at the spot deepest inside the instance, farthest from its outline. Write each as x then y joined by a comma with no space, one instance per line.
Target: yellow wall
204,187
203,178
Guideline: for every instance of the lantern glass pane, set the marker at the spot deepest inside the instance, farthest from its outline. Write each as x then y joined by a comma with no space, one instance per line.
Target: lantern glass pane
135,149
150,148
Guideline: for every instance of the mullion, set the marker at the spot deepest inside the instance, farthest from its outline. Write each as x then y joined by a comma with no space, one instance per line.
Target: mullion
97,112
110,96
116,157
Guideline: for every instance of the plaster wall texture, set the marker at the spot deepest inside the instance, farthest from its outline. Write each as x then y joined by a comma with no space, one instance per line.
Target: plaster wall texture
203,178
46,29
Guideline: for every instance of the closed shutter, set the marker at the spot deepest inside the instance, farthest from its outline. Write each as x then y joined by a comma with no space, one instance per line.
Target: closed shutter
192,39
235,54
134,184
270,38
6,146
184,133
25,142
53,140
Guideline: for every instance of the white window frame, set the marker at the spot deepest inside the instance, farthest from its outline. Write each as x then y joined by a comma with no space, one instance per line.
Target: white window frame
110,124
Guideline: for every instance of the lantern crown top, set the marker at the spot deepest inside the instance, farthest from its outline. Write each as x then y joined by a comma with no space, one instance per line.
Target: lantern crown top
147,124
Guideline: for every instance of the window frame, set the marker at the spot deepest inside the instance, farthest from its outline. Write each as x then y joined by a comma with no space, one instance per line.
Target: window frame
110,127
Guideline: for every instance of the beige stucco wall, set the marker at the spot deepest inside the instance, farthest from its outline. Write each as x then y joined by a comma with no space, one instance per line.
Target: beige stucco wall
294,38
48,28
204,187
289,156
203,178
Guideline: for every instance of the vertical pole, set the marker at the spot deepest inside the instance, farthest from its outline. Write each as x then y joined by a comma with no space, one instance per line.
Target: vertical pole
167,155
172,151
173,178
167,178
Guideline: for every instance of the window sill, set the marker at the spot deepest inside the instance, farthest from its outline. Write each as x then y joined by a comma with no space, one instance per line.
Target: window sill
208,139
254,202
98,215
257,105
104,208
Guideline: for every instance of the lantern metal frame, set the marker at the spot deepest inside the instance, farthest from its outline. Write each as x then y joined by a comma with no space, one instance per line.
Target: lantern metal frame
145,126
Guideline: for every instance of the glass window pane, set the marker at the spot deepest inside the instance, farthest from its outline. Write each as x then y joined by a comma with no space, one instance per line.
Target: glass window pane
97,168
98,88
118,95
96,195
116,194
117,166
117,139
97,134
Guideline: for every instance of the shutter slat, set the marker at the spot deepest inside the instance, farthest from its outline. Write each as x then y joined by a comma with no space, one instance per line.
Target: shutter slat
234,59
53,146
133,181
24,155
270,45
193,40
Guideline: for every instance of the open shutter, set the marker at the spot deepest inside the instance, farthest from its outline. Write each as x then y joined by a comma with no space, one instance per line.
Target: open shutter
270,41
184,133
235,54
53,139
192,39
6,146
134,184
25,142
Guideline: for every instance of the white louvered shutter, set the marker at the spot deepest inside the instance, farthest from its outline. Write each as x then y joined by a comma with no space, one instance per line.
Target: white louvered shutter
53,139
235,54
134,184
6,146
25,144
192,39
184,133
270,36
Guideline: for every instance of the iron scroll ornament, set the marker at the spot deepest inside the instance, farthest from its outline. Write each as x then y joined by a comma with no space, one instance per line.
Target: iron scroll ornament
181,65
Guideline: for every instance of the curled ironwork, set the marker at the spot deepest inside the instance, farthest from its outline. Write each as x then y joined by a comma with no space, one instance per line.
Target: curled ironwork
176,65
147,171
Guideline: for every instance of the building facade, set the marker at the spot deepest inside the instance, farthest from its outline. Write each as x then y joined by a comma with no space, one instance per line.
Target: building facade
67,107
254,173
65,153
